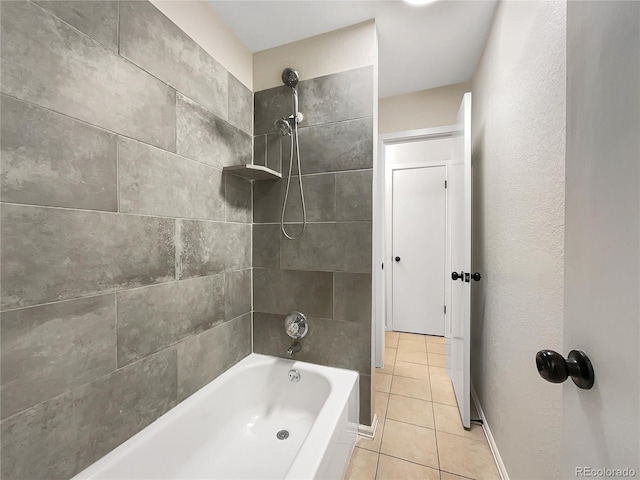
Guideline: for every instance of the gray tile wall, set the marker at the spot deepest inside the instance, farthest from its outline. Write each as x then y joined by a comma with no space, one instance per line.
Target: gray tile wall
126,253
327,273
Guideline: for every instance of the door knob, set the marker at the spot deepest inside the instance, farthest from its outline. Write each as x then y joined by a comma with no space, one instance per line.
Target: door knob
397,259
456,276
555,369
476,276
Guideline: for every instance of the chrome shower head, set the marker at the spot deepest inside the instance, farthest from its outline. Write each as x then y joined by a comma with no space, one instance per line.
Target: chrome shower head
282,127
290,77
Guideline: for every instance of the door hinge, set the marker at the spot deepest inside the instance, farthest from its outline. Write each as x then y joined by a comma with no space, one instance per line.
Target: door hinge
445,309
445,184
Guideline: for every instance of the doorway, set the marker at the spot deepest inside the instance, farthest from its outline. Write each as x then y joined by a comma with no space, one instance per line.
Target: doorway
418,226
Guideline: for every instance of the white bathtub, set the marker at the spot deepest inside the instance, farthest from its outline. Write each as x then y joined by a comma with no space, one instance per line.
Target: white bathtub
227,430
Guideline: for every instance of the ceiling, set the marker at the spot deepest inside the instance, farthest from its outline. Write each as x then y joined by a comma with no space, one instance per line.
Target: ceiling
420,47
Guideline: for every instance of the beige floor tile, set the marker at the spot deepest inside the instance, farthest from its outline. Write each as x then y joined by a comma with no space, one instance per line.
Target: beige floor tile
447,476
413,370
439,348
410,442
412,356
447,418
372,444
410,410
381,399
383,382
436,360
390,468
390,354
391,339
387,370
441,391
411,387
434,339
362,466
411,336
438,372
413,345
469,458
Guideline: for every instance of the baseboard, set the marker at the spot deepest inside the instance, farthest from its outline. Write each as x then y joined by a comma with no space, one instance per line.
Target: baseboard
367,431
487,432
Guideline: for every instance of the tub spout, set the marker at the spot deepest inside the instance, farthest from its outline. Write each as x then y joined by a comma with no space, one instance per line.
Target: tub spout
294,348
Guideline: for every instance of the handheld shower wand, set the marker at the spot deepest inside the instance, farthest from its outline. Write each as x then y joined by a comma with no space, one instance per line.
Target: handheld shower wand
289,127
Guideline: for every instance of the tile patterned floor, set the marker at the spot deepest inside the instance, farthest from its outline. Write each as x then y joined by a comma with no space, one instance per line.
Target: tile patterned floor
419,433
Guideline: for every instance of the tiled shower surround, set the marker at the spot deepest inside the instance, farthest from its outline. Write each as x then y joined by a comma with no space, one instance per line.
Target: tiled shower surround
126,253
326,274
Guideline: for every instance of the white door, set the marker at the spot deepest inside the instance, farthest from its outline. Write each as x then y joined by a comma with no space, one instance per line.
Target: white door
601,426
458,340
418,249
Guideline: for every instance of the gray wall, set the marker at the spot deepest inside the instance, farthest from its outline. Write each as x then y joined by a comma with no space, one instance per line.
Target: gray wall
327,273
518,125
126,254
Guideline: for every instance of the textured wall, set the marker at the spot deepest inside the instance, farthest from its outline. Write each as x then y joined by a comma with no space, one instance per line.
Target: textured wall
326,274
126,254
337,51
518,154
435,107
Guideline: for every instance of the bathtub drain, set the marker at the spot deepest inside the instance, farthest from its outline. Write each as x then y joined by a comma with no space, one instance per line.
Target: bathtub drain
282,435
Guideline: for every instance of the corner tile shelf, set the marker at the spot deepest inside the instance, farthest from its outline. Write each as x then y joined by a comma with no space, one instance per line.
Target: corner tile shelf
252,172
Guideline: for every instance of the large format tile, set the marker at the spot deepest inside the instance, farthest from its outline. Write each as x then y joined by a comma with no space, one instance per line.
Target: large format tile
203,357
49,63
49,349
442,390
466,457
318,249
266,245
332,343
152,318
337,146
436,360
383,382
283,291
64,435
50,254
205,137
337,97
355,238
410,442
448,420
267,201
237,197
237,293
207,248
439,348
319,196
410,410
362,466
269,106
354,195
391,339
391,468
382,402
155,43
352,297
155,182
240,105
51,159
267,151
97,18
412,356
412,345
366,413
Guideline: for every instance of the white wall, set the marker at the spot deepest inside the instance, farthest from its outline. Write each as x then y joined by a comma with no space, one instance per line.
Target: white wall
435,107
202,23
519,93
333,52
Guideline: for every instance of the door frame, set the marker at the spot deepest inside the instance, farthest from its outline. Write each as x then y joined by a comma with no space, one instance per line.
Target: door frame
381,244
389,231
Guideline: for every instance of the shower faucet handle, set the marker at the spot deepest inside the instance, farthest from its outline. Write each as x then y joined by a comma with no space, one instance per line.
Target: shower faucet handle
296,325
